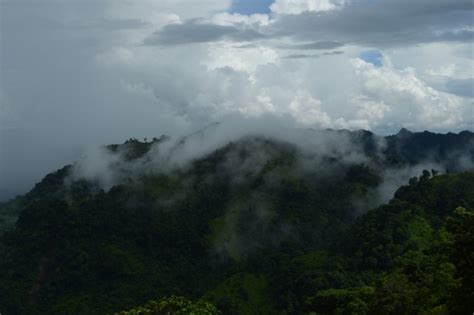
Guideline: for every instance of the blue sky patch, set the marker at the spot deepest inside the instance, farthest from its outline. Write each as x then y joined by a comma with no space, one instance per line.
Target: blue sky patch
374,57
251,6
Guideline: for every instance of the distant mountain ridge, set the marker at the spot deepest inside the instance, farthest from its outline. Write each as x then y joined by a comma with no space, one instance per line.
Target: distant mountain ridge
453,151
411,146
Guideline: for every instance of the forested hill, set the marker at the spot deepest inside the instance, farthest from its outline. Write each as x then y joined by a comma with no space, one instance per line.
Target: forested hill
252,226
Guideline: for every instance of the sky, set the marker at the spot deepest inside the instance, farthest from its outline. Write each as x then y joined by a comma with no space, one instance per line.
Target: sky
76,74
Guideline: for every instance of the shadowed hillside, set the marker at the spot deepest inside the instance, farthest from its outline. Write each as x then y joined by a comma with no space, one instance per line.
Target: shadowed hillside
349,222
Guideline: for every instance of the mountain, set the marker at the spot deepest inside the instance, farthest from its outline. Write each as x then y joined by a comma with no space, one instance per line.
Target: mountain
442,148
326,222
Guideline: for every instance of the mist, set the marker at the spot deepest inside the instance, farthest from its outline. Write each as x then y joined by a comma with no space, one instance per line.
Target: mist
312,149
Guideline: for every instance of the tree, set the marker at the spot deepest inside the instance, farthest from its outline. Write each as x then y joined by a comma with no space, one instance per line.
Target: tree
461,225
173,305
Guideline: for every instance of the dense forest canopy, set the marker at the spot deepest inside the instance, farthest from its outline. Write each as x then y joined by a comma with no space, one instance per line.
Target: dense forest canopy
337,223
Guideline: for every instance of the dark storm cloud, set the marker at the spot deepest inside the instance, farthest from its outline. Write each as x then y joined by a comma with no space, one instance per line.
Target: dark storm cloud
196,31
54,98
302,56
383,23
313,46
456,36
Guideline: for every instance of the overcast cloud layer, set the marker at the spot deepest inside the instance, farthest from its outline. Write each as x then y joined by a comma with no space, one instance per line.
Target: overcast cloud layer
79,73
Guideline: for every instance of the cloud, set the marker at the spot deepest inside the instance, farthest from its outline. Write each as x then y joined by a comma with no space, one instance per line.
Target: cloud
106,24
382,23
76,73
302,56
252,20
156,11
195,31
417,104
246,59
332,53
299,6
313,46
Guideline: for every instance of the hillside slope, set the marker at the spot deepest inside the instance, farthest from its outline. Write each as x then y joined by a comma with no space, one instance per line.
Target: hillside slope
257,225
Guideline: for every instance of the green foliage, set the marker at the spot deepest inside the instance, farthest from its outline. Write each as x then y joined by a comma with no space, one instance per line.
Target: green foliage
282,238
461,225
133,148
340,301
420,232
173,305
243,294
